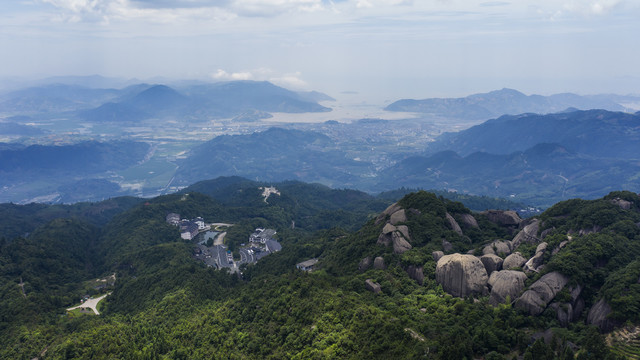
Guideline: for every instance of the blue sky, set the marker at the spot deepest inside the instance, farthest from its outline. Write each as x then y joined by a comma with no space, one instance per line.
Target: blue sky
385,49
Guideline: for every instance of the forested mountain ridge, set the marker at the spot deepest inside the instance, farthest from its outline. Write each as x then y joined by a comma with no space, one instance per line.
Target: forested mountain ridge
597,133
165,304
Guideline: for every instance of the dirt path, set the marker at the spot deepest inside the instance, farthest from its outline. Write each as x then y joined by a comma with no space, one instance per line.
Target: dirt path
91,304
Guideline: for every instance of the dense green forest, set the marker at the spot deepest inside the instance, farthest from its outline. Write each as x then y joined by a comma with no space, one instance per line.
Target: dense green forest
167,305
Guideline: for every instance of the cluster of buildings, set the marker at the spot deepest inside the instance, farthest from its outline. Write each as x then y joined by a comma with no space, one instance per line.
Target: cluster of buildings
189,229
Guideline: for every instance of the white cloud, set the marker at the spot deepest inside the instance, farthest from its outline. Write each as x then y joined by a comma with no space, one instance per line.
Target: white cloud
288,80
223,75
292,80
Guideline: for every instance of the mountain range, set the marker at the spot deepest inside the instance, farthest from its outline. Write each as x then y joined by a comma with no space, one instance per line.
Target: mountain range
508,101
144,101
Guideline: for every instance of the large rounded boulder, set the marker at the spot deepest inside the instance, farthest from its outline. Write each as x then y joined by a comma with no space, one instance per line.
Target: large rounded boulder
541,292
491,263
514,260
505,284
462,275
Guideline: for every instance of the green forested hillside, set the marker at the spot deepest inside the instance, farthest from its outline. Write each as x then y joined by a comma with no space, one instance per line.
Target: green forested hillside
166,305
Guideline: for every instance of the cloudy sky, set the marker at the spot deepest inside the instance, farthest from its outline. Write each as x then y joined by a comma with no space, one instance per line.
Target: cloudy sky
385,49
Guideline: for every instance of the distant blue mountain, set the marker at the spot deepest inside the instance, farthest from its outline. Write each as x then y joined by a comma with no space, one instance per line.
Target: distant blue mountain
540,175
596,133
228,99
500,102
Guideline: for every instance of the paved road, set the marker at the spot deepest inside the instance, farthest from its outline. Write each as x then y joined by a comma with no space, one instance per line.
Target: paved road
91,304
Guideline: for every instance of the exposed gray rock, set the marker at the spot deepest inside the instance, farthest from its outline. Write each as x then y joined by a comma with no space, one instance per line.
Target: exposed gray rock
398,217
528,234
384,239
540,293
599,316
578,308
593,230
498,247
535,262
438,254
514,260
468,220
559,247
624,204
404,230
488,250
387,212
454,224
491,262
506,284
388,228
416,273
575,292
546,232
364,264
372,286
446,246
503,218
564,312
378,263
400,245
462,275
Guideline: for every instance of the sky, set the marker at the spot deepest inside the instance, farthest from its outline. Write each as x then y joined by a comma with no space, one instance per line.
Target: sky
379,49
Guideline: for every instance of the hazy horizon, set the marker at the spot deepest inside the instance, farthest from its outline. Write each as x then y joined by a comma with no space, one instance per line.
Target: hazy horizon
381,49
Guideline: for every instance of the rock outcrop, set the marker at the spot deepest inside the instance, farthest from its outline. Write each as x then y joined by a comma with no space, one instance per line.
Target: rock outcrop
462,275
446,246
623,204
364,264
387,212
534,264
438,254
503,218
372,286
398,217
416,273
528,234
559,247
599,316
378,263
594,230
514,260
454,224
498,247
404,230
540,293
564,312
388,228
400,245
506,284
491,263
468,220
